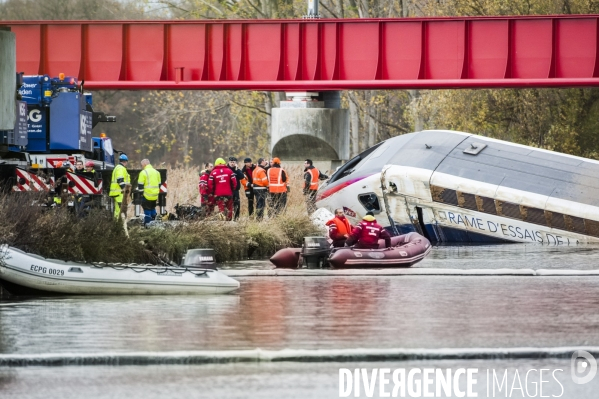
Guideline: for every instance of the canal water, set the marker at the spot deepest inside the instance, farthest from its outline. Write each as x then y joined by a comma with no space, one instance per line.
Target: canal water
476,318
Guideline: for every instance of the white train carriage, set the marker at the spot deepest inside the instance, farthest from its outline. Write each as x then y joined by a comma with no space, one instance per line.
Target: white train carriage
459,187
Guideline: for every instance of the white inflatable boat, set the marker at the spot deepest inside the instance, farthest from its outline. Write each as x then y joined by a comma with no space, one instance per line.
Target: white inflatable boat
23,273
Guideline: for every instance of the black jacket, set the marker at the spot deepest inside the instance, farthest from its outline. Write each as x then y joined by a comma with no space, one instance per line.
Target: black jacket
239,176
248,172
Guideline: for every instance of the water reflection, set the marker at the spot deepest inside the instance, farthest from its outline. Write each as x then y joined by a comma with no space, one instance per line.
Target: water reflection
489,257
313,312
110,323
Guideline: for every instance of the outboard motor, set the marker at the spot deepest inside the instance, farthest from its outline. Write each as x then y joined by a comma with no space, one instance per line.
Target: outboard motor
315,251
201,258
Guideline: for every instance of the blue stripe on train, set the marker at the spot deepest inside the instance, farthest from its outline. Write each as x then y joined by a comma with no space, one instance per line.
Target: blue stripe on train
451,234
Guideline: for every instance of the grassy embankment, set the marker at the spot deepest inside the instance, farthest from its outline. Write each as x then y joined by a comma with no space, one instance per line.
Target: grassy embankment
57,233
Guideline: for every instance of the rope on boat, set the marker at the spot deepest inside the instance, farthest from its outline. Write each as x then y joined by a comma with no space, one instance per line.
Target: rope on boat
137,268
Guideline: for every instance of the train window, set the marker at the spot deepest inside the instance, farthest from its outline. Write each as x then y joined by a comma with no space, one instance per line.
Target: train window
370,202
351,165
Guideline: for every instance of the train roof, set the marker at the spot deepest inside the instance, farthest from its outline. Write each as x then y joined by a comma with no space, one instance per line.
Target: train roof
483,159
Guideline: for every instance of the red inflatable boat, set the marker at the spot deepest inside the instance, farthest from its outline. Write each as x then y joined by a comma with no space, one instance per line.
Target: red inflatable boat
406,250
287,258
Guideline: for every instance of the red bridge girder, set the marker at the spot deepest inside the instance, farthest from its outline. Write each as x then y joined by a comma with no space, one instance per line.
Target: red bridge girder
316,55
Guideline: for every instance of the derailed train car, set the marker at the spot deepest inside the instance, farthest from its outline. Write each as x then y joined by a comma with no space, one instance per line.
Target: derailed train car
459,187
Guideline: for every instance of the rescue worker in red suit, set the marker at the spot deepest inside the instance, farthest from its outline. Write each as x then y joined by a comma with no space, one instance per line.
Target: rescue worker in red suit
339,228
367,233
207,200
221,184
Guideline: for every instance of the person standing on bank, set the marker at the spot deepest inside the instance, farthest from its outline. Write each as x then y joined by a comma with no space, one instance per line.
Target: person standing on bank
239,177
89,167
149,181
267,165
277,186
60,181
260,186
66,165
206,198
367,233
120,178
248,170
311,177
79,167
339,228
221,183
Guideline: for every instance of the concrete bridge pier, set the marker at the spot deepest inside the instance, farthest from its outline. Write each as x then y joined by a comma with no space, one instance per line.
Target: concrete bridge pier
8,82
311,125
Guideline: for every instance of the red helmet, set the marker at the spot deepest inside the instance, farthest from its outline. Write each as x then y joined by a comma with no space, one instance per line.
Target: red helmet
58,164
89,164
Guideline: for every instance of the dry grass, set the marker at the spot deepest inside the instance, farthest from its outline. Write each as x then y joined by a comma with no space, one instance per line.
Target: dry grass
182,187
58,233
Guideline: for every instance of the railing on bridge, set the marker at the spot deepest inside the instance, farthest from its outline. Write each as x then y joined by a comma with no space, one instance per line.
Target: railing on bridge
315,54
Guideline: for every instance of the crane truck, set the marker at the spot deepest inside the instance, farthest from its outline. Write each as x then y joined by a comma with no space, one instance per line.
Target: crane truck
59,120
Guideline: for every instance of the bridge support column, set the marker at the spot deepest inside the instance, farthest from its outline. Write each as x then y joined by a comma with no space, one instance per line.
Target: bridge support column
305,127
8,66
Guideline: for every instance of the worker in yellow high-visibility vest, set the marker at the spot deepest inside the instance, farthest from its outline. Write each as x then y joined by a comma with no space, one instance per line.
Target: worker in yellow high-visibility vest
149,182
120,177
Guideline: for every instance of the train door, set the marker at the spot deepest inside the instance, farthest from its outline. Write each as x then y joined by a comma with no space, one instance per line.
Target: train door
407,213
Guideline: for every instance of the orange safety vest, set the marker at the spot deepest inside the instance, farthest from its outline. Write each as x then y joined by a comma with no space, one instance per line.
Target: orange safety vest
314,173
244,183
275,181
259,177
343,226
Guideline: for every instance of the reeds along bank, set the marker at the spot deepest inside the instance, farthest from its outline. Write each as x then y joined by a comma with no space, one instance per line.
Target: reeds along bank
58,233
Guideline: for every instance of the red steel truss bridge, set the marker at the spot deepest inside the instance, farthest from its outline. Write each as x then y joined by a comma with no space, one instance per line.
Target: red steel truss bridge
315,55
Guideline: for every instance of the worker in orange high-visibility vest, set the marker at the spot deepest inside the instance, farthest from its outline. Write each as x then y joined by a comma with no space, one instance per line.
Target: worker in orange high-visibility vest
311,177
260,186
277,186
